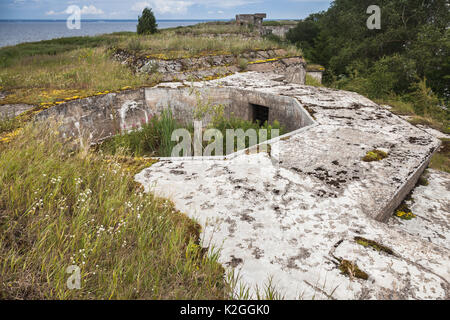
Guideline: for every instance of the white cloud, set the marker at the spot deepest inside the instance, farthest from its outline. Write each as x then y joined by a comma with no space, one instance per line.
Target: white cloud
179,6
87,10
163,6
91,10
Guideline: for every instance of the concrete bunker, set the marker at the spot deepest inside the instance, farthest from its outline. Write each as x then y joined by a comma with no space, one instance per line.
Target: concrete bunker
103,117
244,104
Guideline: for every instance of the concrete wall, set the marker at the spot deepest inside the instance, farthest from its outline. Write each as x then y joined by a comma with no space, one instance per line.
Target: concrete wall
279,31
316,75
237,102
98,118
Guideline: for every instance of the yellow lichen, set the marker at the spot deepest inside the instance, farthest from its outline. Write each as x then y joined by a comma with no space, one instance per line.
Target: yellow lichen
404,212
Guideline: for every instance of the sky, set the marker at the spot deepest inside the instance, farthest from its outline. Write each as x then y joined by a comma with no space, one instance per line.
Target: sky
164,9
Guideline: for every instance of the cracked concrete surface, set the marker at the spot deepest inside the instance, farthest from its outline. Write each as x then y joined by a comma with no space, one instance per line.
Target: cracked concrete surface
291,218
431,205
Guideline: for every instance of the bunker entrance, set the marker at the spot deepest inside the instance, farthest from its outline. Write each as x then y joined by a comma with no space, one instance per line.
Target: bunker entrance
260,113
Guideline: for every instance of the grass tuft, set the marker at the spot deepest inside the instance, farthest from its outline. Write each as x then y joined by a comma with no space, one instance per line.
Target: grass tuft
375,155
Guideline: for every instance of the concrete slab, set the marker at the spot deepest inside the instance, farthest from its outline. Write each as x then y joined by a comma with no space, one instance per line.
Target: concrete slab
431,205
294,214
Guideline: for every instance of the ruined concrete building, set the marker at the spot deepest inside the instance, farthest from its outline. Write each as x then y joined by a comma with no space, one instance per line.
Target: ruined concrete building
254,19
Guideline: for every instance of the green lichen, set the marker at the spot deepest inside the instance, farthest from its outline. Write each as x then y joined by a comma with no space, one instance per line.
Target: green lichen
373,244
351,270
375,155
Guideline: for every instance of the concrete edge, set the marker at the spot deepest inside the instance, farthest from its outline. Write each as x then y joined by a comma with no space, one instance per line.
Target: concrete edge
404,189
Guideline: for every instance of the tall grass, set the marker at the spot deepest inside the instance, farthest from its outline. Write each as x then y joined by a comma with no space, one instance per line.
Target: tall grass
47,78
60,207
8,124
153,139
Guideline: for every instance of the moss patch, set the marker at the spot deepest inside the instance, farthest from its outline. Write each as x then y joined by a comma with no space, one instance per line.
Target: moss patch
404,212
373,244
351,270
375,155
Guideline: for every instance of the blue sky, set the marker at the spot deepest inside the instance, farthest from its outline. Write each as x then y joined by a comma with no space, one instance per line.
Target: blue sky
164,9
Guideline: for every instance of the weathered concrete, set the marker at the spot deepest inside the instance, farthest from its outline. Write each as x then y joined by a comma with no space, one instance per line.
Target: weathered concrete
431,205
316,75
294,214
208,67
98,118
279,31
8,111
183,102
251,19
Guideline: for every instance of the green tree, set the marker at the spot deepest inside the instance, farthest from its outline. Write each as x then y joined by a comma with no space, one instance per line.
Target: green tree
147,22
413,43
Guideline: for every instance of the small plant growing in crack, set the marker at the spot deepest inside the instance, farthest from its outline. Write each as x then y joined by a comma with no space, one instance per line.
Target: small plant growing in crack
404,212
352,270
375,155
374,245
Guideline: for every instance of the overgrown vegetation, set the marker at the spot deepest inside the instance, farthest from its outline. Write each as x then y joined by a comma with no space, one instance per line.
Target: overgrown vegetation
441,160
153,139
60,207
76,73
405,63
278,23
53,70
215,28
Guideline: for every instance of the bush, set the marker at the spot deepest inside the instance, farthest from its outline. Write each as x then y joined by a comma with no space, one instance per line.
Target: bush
147,22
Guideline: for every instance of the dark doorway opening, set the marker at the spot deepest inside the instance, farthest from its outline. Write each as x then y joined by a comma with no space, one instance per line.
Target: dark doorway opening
260,113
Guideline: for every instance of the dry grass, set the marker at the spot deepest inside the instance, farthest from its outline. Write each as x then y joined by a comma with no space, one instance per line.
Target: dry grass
82,72
441,160
170,45
214,28
83,66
